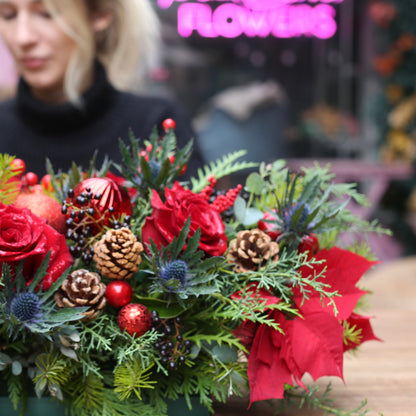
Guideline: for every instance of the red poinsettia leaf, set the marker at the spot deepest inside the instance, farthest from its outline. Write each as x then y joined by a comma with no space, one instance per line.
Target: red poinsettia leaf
313,345
246,333
267,373
261,295
360,322
343,270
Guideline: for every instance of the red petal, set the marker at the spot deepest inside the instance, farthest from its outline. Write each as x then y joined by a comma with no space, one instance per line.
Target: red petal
363,323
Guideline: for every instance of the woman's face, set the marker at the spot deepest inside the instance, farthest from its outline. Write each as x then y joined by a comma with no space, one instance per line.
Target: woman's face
39,46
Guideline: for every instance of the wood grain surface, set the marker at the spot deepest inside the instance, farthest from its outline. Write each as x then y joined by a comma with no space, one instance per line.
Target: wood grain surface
383,373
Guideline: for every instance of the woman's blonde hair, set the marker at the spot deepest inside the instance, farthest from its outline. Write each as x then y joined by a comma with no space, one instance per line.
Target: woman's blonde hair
127,47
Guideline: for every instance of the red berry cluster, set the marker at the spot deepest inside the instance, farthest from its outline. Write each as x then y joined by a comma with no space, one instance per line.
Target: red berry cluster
220,201
224,201
207,191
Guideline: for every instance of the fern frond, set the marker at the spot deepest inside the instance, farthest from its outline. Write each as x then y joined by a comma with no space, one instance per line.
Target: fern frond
227,165
15,389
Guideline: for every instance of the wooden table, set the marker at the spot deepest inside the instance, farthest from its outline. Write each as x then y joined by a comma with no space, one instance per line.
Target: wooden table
384,373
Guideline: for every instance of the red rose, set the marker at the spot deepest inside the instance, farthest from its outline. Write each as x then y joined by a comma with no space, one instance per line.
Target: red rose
168,219
24,236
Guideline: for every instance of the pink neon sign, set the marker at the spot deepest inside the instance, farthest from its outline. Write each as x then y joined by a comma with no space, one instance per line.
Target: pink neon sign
256,18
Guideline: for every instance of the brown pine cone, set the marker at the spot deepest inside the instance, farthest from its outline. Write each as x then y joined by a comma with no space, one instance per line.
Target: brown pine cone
82,288
251,250
117,254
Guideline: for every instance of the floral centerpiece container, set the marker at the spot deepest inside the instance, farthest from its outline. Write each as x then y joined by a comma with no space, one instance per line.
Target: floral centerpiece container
123,292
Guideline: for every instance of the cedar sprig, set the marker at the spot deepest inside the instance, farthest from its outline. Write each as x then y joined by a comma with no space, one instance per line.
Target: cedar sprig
309,399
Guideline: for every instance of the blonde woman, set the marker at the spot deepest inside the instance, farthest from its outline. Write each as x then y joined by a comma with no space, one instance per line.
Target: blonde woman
76,59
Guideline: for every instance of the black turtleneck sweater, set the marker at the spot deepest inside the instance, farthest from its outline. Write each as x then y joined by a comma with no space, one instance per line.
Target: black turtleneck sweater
33,130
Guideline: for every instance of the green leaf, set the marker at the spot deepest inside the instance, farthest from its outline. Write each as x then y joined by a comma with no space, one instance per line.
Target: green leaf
225,353
255,183
252,216
239,208
17,368
5,359
165,309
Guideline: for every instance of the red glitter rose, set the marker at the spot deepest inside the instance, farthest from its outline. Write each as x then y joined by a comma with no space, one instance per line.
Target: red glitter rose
168,219
24,236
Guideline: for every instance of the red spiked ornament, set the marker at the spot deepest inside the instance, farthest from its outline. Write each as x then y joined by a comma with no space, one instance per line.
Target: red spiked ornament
135,319
106,199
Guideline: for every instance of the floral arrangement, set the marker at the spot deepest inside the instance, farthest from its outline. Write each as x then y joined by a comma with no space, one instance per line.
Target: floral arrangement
119,292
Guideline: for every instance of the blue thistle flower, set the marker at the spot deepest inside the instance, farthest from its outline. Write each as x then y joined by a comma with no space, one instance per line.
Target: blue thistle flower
174,274
154,169
290,212
25,306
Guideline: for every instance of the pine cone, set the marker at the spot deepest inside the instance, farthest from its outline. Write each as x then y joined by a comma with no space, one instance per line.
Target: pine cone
251,250
82,288
117,254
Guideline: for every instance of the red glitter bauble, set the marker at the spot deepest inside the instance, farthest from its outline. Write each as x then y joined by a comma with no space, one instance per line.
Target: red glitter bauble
106,197
118,293
43,206
135,319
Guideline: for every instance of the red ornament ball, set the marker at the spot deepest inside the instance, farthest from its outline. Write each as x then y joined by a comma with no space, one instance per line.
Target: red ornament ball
46,182
310,243
118,293
135,319
18,167
169,124
30,179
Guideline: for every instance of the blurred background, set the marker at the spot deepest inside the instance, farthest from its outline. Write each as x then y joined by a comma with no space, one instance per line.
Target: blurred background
304,80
